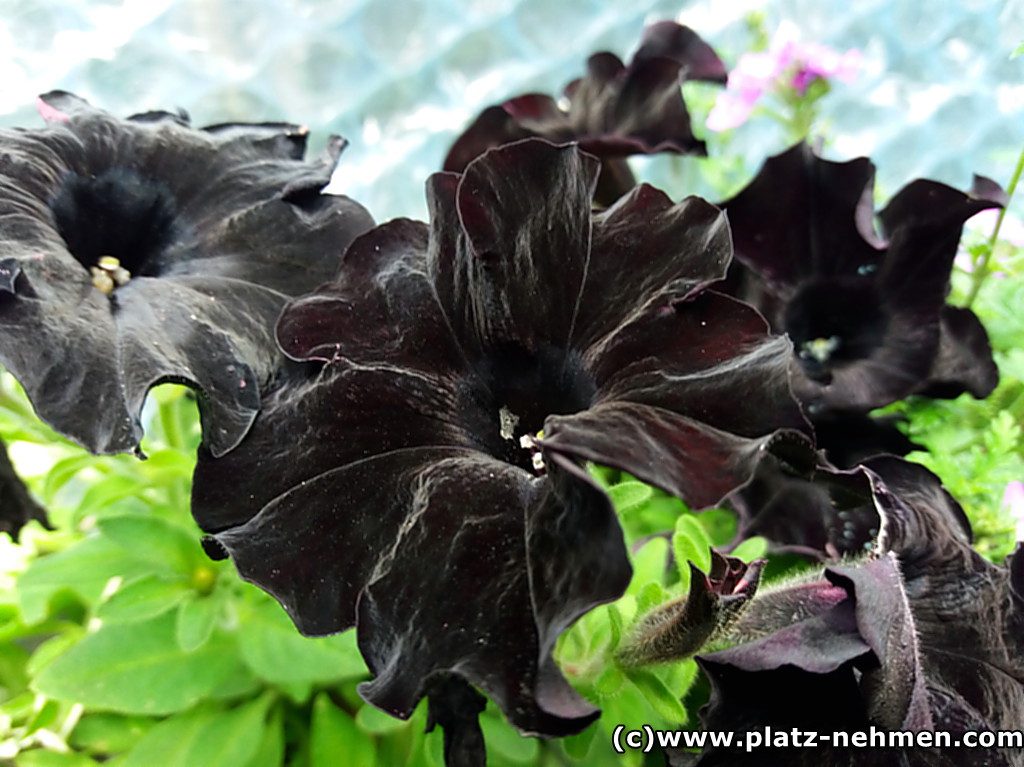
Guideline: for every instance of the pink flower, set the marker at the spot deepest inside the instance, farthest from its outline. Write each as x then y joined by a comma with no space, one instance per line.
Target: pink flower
787,62
753,75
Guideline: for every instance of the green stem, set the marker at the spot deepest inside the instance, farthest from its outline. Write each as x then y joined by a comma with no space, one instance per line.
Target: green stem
983,266
170,422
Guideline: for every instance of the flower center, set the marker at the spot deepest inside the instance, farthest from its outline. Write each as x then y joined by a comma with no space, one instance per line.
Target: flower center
835,322
117,224
516,391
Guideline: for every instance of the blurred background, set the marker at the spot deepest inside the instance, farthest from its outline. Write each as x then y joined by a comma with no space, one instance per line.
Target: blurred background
937,94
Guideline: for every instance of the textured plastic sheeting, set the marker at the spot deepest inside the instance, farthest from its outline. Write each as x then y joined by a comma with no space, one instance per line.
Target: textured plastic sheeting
399,78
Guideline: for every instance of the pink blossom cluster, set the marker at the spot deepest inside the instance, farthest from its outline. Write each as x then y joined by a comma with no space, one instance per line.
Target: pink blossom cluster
787,62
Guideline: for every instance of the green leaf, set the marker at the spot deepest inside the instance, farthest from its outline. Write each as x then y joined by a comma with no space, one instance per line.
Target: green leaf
690,544
499,736
334,738
609,682
13,677
1018,51
167,465
649,564
107,734
138,668
82,569
64,471
578,745
154,541
629,706
148,597
108,493
195,622
19,707
679,678
52,648
271,750
373,721
658,695
616,623
41,758
628,495
650,596
751,549
44,717
209,737
276,652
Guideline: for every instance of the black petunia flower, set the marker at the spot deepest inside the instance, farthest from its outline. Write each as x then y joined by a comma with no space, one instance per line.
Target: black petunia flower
613,111
420,473
135,252
923,635
813,512
866,311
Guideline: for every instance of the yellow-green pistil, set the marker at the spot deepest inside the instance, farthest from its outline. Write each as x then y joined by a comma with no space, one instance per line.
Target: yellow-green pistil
108,275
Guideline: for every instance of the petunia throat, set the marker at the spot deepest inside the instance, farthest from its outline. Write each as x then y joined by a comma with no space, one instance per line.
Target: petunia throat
117,224
515,390
835,321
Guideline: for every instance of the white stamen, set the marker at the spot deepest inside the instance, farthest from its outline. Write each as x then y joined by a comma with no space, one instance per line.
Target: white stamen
508,421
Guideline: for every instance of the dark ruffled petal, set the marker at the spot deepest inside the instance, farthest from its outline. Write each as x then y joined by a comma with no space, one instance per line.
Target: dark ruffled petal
316,565
284,140
646,249
964,361
576,552
811,626
524,211
923,223
970,626
895,691
680,455
649,115
381,306
895,367
218,228
614,111
850,438
592,98
681,44
803,216
615,180
814,515
71,379
492,128
944,627
865,309
747,702
819,512
456,707
984,188
17,506
345,414
417,619
709,357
